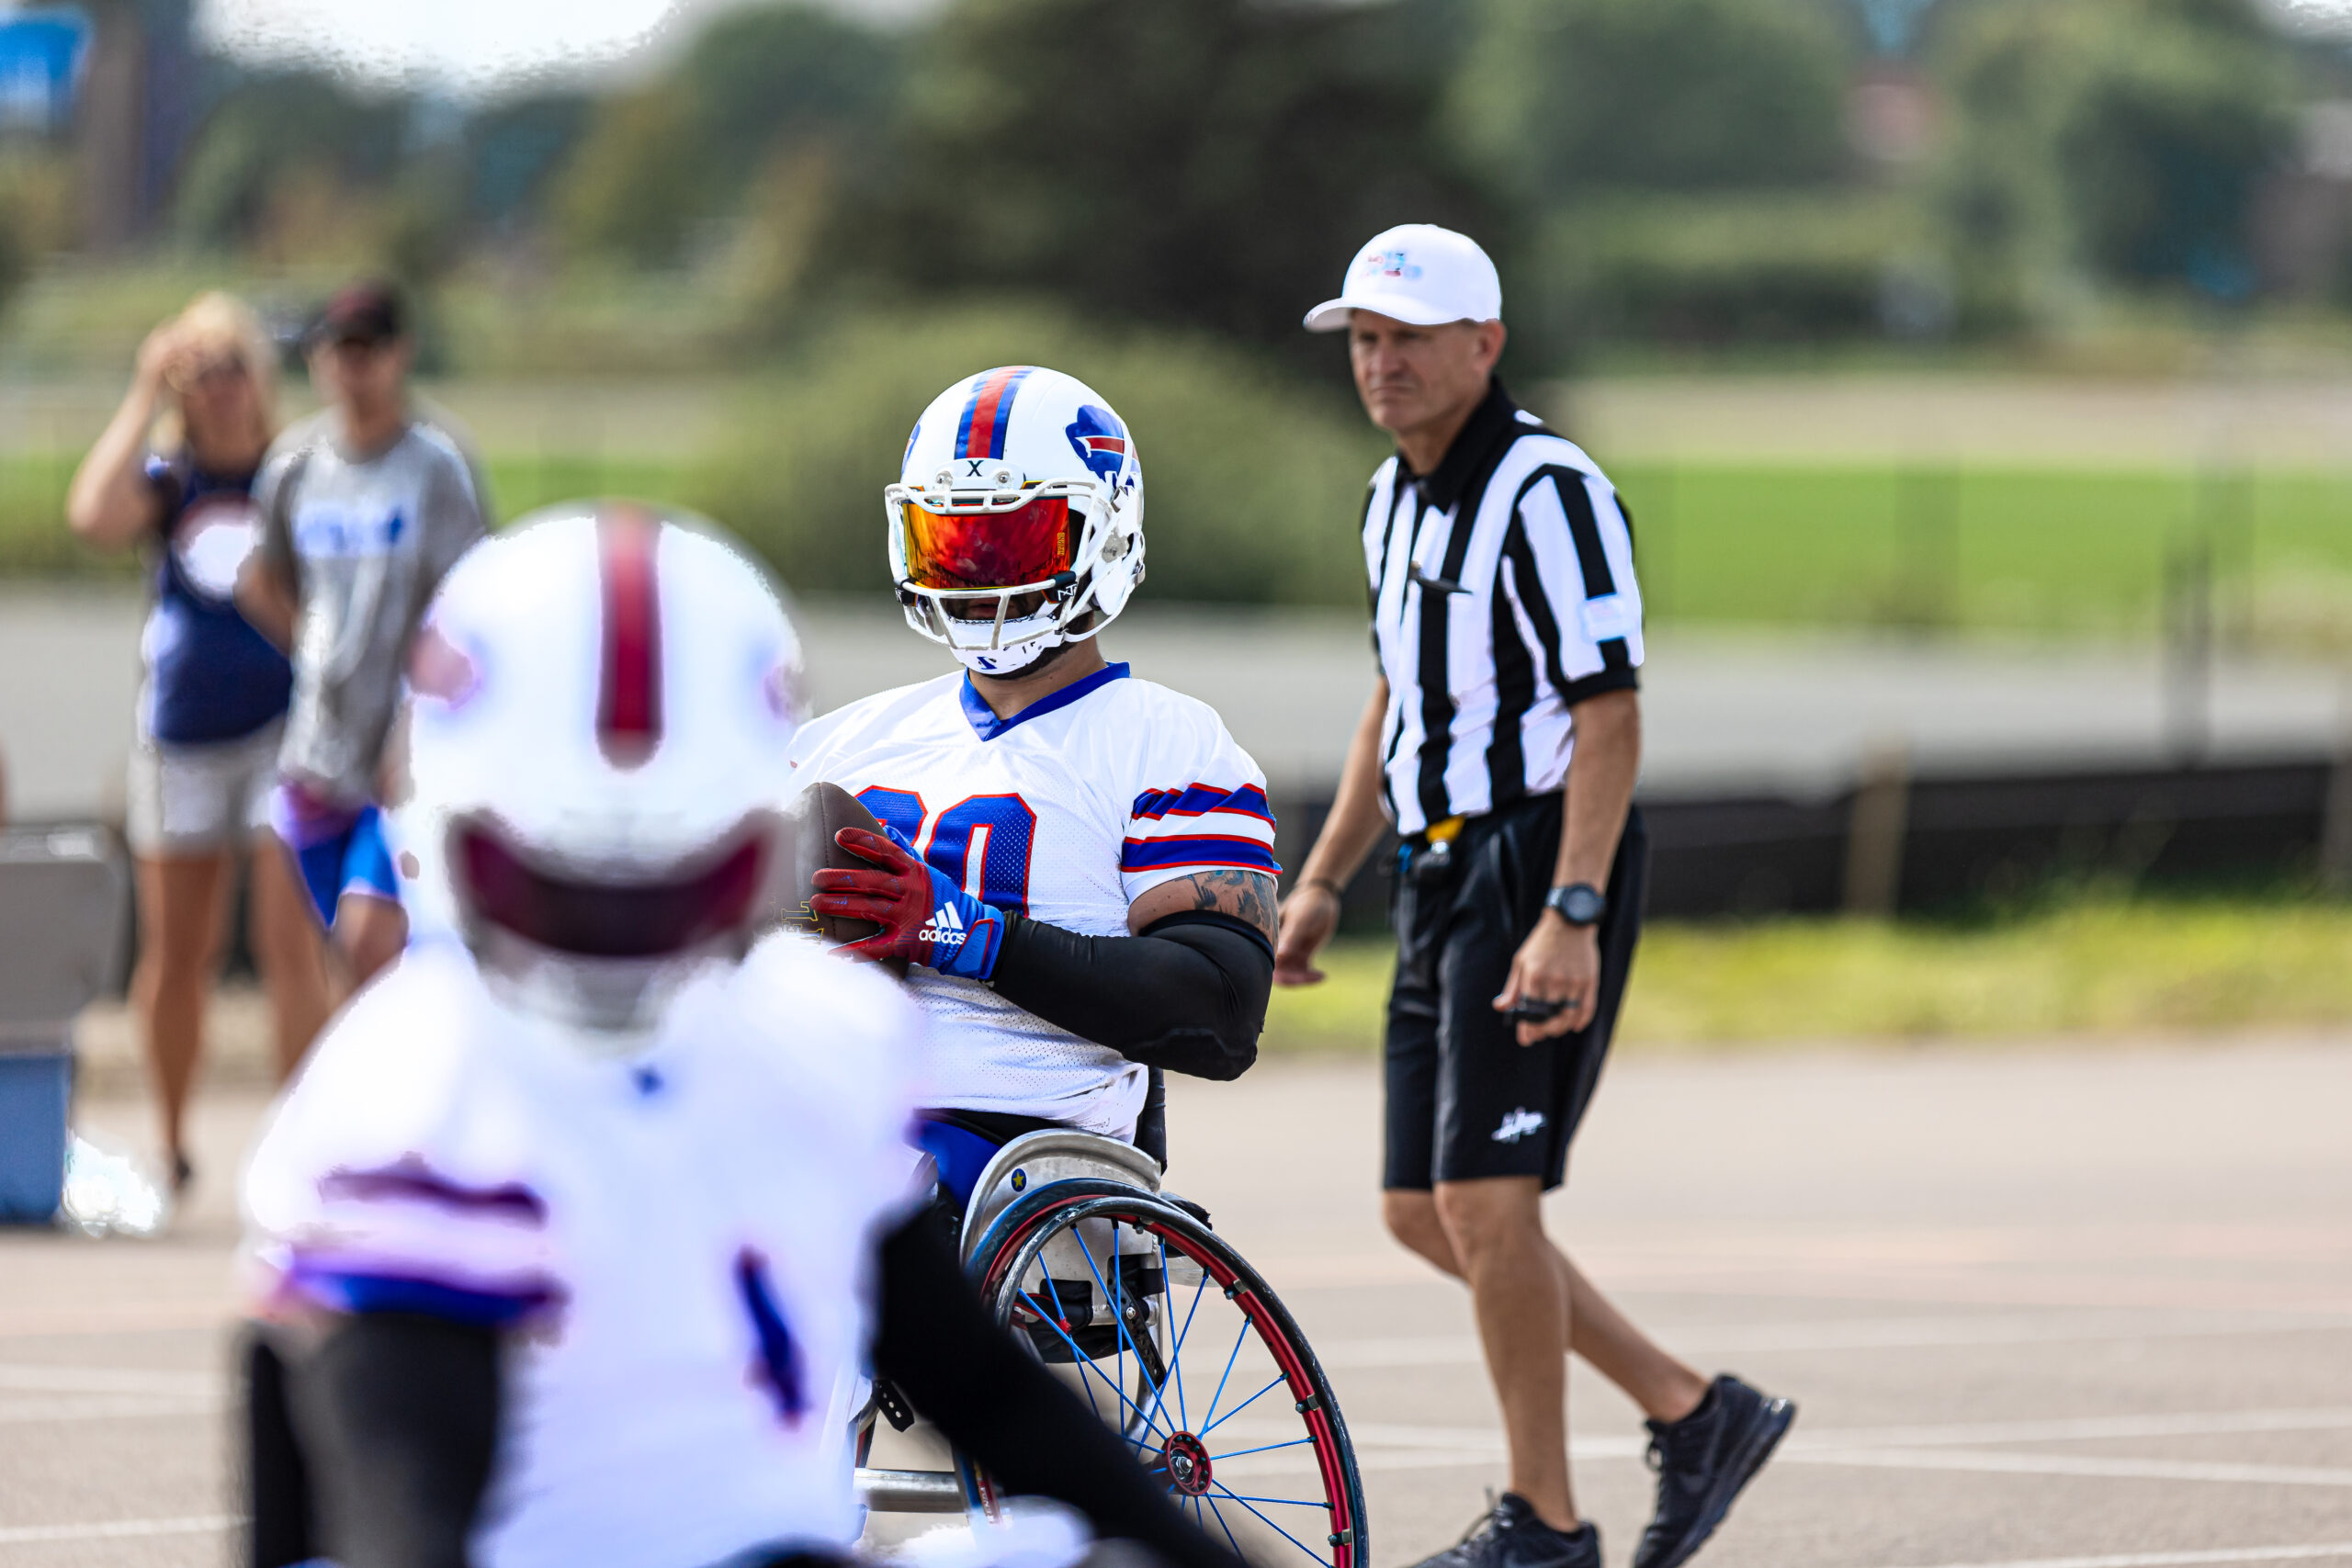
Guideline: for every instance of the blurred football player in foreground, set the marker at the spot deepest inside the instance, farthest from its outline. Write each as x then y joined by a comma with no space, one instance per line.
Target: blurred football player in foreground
575,1231
1081,861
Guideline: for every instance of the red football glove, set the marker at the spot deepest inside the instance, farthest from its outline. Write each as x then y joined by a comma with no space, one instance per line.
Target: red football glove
924,918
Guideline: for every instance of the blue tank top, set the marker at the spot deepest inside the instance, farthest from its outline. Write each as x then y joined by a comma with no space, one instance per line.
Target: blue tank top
211,677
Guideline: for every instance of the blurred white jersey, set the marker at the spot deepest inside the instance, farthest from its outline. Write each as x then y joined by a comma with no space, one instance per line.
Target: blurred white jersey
684,1234
1067,812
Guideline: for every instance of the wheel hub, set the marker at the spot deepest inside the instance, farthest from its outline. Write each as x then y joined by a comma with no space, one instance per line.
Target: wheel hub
1186,1460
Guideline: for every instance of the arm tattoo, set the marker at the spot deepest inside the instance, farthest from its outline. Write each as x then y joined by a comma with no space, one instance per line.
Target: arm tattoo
1245,894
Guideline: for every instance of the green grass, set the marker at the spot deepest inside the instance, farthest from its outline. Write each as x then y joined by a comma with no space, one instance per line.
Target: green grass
2092,968
1979,549
34,543
1991,548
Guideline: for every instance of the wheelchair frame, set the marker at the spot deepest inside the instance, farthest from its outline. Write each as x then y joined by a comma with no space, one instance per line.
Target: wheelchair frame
1043,1192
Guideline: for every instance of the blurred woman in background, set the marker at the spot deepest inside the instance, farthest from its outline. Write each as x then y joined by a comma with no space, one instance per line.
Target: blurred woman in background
174,470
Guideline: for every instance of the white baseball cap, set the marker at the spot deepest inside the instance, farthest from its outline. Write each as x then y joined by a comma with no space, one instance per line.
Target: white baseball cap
1417,273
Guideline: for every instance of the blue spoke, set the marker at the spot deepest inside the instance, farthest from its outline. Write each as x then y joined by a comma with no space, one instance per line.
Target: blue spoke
1270,1524
1176,1355
1061,1315
1085,1366
1280,1379
1278,1502
1222,1525
1118,1318
1211,1416
1262,1449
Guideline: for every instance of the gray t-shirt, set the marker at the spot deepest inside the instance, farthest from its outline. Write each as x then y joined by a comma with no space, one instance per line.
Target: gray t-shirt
365,543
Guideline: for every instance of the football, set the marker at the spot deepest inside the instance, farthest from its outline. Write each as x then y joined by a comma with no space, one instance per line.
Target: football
812,817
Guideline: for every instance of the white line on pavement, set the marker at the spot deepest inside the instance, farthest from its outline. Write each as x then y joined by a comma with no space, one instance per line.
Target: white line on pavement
2085,1428
1870,1334
34,1412
2179,1559
119,1529
2003,1463
38,1378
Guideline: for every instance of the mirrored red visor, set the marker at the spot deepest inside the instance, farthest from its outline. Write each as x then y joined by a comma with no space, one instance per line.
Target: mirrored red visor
966,551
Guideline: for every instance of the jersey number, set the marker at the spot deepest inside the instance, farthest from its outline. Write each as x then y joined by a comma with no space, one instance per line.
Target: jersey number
982,843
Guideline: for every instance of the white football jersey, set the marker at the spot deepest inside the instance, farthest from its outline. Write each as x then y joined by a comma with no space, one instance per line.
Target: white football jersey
1067,812
684,1234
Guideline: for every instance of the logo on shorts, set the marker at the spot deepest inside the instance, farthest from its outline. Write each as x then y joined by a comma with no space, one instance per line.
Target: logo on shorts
1518,1124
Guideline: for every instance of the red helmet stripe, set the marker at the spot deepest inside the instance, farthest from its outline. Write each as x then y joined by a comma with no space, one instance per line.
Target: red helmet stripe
628,705
985,418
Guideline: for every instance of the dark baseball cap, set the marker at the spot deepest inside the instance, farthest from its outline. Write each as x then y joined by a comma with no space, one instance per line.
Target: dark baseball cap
363,313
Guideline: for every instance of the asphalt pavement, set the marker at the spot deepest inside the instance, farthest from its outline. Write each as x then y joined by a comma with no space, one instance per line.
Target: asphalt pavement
2064,1307
1723,712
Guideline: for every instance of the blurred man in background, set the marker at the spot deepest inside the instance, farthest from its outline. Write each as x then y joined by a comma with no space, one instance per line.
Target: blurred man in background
363,507
1502,739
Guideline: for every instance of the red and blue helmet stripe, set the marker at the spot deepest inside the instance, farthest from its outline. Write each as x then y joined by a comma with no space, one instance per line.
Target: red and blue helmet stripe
988,412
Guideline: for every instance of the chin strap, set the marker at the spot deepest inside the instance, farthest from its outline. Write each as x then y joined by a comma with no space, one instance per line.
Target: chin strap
1046,656
924,918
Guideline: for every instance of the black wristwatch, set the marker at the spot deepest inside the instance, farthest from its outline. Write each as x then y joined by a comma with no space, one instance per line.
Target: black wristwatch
1580,903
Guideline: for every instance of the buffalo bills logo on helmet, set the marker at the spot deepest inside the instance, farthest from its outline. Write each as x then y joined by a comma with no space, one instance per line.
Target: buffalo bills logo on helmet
1100,441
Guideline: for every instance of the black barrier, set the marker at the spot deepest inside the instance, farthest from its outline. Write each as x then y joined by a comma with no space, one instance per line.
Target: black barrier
1964,837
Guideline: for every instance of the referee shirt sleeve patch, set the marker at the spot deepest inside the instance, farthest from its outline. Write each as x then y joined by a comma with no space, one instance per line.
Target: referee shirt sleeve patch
1610,616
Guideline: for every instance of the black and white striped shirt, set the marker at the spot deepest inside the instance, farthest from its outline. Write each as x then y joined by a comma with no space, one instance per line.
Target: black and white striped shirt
1502,596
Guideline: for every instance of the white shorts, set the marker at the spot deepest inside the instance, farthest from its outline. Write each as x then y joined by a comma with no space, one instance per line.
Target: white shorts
200,799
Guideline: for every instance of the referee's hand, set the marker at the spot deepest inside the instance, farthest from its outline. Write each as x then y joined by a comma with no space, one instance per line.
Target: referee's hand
1557,963
1309,915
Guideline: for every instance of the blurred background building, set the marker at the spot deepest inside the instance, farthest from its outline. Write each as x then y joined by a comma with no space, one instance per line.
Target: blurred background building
1975,370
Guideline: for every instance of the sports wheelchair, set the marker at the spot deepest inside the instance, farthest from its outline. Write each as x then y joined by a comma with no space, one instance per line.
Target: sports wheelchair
1168,1333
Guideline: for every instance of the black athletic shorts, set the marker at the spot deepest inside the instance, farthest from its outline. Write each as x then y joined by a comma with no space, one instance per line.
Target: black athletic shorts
1465,1098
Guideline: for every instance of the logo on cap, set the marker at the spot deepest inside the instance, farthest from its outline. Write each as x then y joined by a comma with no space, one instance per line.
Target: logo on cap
1390,264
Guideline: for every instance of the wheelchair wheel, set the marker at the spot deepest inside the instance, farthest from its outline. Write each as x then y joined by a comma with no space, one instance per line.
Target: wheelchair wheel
1180,1347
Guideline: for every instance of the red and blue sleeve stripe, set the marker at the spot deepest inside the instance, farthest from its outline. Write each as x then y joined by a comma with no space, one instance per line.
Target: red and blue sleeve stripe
1197,851
1199,800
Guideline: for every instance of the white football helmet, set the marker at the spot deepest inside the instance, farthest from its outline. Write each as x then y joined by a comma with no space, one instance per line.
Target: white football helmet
1017,521
601,698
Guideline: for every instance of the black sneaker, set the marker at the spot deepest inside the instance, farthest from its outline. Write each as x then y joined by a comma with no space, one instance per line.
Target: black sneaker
1702,1462
1510,1535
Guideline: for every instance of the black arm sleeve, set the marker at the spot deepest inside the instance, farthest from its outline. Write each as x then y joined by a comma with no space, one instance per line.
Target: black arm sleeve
1188,995
401,1414
934,1340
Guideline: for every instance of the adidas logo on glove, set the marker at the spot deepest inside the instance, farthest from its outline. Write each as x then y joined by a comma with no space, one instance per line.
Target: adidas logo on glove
944,929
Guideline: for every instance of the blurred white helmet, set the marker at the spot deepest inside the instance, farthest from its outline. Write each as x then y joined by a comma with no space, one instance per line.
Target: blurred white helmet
1016,524
600,702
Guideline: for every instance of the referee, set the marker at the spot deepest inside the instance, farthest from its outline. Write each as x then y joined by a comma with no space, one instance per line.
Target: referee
1502,739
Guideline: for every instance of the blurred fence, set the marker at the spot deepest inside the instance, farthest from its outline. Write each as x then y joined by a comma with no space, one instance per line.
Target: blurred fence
1891,844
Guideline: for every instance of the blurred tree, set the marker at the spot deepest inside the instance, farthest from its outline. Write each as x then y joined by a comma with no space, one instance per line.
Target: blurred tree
514,148
777,74
1204,162
2125,137
634,182
37,207
656,163
1557,98
269,130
